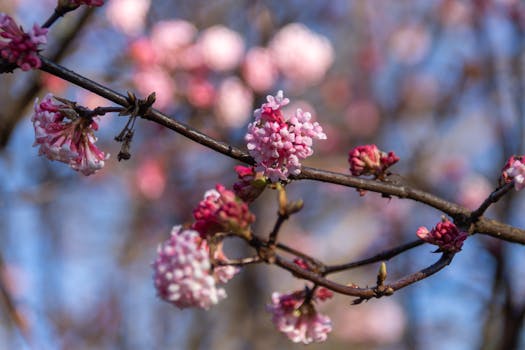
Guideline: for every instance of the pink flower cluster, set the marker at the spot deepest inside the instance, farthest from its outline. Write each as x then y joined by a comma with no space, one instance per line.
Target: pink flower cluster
298,319
445,235
20,48
183,274
514,170
87,2
222,211
278,144
183,271
64,136
250,184
369,160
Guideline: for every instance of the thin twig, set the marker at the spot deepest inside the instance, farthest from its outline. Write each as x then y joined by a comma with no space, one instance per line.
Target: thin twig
364,293
239,262
299,254
386,255
276,227
491,199
57,13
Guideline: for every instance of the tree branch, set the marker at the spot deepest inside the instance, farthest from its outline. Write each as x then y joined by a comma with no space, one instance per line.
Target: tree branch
386,255
457,212
364,293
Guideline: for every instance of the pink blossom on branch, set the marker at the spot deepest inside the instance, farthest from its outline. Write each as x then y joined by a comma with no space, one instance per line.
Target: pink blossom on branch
445,235
250,184
222,211
64,136
277,144
182,271
369,160
298,319
514,170
19,47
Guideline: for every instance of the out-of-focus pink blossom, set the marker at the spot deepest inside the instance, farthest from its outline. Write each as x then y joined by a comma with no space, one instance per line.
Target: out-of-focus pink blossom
369,160
456,13
336,92
298,319
473,190
445,235
53,83
233,103
142,52
19,47
222,211
250,184
200,92
128,15
150,179
221,47
182,271
87,2
168,38
259,69
64,136
420,92
382,322
302,55
514,170
410,43
362,118
191,58
156,80
277,144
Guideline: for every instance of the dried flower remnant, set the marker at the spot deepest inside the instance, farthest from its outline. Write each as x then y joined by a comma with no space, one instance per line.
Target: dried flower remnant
514,170
297,317
182,271
445,235
64,136
222,211
19,47
277,144
369,160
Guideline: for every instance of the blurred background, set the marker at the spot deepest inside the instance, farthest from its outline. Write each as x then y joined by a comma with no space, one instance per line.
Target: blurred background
441,83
